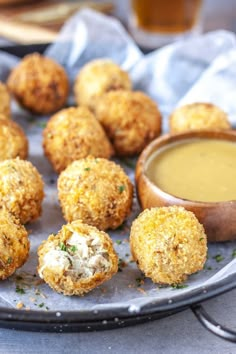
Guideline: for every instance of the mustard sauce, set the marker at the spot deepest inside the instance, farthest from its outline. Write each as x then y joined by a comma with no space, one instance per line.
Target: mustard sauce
197,169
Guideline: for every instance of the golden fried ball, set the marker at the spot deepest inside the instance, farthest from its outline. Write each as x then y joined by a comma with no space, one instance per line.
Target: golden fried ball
96,191
168,244
130,119
13,141
98,77
21,189
72,134
77,259
5,102
14,244
198,116
39,84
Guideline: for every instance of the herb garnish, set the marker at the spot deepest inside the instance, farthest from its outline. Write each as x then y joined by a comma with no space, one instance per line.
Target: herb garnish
218,258
234,253
87,169
179,286
63,247
73,248
121,188
118,242
139,281
9,261
20,290
41,305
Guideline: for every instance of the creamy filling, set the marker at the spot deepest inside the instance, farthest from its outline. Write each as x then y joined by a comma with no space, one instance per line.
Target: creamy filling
80,257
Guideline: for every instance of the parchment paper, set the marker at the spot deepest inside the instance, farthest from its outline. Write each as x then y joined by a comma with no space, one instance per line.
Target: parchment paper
200,69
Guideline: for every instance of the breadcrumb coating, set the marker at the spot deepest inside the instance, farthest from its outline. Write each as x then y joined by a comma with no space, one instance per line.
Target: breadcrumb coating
96,191
5,101
130,119
168,244
198,116
98,77
77,259
72,134
13,141
14,244
21,189
39,84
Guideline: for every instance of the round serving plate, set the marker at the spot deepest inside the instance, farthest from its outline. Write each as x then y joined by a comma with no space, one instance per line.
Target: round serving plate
110,318
121,313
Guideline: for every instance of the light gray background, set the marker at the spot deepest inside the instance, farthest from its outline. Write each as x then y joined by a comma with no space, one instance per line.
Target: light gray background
180,333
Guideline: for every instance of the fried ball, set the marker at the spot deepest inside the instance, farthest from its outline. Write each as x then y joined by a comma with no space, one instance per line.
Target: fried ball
72,134
14,244
77,259
98,77
13,141
130,119
96,191
5,102
39,84
168,243
198,116
21,189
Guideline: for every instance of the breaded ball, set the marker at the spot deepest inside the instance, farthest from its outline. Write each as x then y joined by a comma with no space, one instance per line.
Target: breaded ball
14,244
98,77
5,101
77,259
130,119
96,191
13,141
39,84
21,189
198,116
72,134
168,244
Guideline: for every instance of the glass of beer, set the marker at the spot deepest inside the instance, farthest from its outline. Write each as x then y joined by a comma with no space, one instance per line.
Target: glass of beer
154,23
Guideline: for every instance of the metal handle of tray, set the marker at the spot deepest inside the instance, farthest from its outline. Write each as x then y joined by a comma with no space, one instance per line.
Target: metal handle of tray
211,325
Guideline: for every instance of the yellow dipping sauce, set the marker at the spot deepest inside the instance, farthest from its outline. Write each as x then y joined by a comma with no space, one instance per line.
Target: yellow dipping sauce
197,169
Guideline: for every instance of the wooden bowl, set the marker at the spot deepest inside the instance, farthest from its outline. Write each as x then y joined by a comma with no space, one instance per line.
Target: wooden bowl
218,218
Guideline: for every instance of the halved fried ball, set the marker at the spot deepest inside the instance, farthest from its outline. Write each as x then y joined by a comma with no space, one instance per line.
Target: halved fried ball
14,244
72,134
13,141
77,259
168,244
98,77
198,116
5,101
39,84
130,119
96,191
21,189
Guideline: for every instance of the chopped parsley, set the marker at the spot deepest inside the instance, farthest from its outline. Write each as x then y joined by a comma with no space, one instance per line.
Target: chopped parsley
139,281
121,264
118,242
121,188
202,238
218,258
63,247
179,286
9,261
20,290
41,124
87,169
41,305
73,248
234,253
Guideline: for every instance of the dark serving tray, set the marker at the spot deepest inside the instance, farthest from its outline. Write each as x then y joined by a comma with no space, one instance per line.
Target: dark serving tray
88,320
